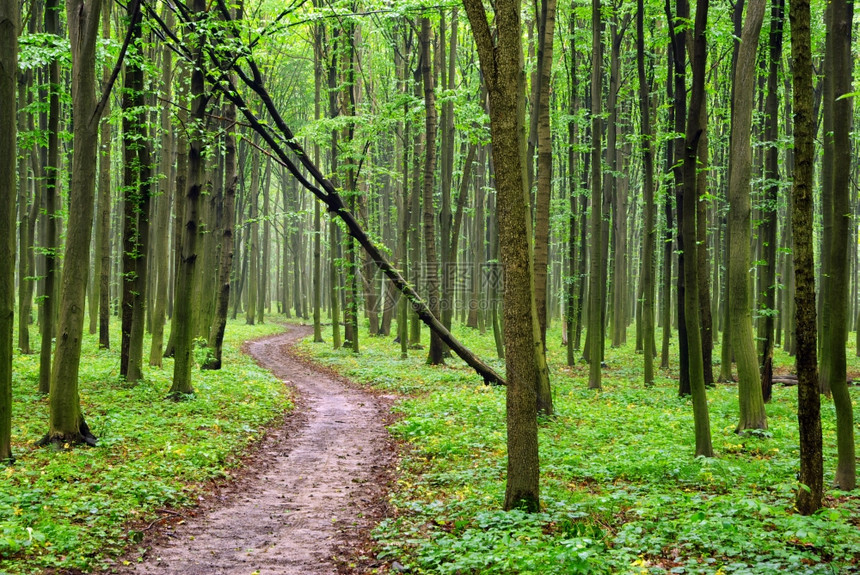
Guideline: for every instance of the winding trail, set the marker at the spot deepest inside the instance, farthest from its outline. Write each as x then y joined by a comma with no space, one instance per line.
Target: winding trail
309,496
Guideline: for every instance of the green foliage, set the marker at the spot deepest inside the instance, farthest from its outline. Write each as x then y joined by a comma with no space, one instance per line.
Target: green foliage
77,508
621,490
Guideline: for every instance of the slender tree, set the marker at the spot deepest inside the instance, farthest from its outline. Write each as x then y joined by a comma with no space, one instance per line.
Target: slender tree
67,424
647,278
9,28
435,355
595,289
183,306
811,478
501,58
752,412
841,22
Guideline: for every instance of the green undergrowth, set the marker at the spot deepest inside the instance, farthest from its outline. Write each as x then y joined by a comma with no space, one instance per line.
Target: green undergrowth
621,490
79,508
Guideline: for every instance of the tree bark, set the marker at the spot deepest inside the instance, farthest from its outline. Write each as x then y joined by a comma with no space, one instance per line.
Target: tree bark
435,355
185,277
9,28
502,63
811,477
841,27
701,418
752,412
595,289
647,264
67,424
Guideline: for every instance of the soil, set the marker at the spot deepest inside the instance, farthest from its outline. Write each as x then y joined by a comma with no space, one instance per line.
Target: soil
305,501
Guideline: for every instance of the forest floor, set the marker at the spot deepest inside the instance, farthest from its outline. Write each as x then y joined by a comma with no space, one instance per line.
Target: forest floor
307,499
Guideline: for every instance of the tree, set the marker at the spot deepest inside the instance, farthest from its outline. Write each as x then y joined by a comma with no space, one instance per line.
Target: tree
435,355
648,193
9,28
183,306
501,57
811,478
770,208
67,424
50,241
594,342
840,25
752,413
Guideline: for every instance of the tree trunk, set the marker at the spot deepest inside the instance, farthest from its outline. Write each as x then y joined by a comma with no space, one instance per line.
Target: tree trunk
185,277
435,356
541,124
701,418
104,182
595,289
51,205
771,175
647,280
841,26
752,412
161,248
811,477
502,64
67,423
10,24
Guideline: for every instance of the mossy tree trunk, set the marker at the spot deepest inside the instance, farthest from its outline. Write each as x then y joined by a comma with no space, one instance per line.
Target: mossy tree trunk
501,58
809,492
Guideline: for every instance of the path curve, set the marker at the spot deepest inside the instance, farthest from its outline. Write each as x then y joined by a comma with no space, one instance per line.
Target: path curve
310,495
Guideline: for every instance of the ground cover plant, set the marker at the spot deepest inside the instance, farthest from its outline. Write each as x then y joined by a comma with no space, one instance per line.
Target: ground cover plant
621,489
71,509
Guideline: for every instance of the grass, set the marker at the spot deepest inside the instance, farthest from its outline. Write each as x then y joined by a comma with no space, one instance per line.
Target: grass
71,509
621,491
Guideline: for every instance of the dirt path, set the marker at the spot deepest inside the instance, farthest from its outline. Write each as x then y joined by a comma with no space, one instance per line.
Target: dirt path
309,496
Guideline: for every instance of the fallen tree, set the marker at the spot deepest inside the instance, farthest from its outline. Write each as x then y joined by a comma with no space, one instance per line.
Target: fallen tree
280,139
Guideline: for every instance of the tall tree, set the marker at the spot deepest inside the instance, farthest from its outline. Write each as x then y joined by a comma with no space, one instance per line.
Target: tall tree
647,278
67,424
9,28
840,25
51,203
771,176
595,289
104,182
752,412
688,231
501,56
137,182
161,232
811,480
183,306
435,355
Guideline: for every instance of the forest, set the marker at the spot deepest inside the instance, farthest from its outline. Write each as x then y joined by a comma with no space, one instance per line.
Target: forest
527,287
